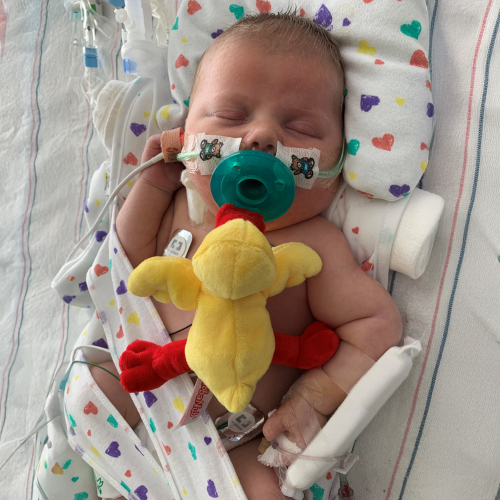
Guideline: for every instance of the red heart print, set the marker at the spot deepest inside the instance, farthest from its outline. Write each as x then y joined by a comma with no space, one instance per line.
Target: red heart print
368,1
193,7
423,146
428,84
329,476
181,61
90,408
418,59
100,270
128,473
355,230
120,310
302,12
168,450
385,142
89,433
263,6
170,425
367,266
119,334
130,159
379,61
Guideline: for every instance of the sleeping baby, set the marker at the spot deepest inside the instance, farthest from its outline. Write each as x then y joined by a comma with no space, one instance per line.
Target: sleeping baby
269,79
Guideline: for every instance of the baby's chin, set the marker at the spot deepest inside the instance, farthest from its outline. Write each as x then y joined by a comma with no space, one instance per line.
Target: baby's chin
307,203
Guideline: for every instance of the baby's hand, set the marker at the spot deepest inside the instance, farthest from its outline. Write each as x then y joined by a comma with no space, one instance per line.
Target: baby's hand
297,417
165,176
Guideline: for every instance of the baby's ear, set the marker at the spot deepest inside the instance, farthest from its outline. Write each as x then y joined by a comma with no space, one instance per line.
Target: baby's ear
203,143
215,141
294,157
221,144
311,162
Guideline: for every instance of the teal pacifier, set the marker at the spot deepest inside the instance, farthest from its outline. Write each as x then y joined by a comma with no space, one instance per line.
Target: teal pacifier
255,181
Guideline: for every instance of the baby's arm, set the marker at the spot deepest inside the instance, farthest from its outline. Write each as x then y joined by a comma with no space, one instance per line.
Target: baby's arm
148,211
356,307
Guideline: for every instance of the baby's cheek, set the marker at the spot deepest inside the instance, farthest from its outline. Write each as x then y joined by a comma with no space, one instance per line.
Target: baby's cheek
307,204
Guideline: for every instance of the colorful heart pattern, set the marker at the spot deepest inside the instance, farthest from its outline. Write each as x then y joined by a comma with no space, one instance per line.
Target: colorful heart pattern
353,146
368,101
263,6
90,408
413,30
211,489
137,128
365,48
181,61
113,450
130,159
141,492
100,270
398,191
323,17
122,288
237,10
385,142
418,59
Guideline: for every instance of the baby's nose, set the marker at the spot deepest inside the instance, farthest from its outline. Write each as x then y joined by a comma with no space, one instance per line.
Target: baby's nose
262,138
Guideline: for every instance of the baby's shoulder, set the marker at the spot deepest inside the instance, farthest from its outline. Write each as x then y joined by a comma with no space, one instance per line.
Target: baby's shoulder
317,232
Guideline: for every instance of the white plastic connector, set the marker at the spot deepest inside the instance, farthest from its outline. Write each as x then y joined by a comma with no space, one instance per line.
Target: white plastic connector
121,15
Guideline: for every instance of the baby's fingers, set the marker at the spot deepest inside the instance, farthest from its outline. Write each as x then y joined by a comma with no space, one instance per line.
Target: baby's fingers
274,426
152,148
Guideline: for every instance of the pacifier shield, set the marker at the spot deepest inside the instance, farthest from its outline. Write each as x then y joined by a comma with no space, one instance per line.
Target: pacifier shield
255,181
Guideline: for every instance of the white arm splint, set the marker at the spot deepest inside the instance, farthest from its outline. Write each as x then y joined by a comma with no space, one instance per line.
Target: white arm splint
353,415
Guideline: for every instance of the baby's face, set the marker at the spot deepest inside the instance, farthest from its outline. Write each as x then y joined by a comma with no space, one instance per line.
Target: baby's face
262,98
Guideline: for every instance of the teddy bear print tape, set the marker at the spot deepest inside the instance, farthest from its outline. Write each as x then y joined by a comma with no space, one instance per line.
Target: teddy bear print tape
304,164
211,149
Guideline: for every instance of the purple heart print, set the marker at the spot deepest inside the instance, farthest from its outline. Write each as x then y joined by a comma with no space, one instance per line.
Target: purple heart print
138,128
113,450
397,191
367,101
122,288
141,492
150,398
211,489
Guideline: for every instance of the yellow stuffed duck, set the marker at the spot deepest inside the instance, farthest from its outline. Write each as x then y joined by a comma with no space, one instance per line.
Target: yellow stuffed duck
231,342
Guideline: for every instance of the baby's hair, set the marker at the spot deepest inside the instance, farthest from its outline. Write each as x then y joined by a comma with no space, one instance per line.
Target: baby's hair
282,31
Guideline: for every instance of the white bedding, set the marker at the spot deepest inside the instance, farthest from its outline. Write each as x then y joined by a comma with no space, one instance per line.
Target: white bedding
438,437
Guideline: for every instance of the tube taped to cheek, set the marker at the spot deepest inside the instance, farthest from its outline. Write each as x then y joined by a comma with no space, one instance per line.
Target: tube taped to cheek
350,365
209,149
311,167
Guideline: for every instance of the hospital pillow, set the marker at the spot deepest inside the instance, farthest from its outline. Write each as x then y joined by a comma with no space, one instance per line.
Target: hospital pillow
388,106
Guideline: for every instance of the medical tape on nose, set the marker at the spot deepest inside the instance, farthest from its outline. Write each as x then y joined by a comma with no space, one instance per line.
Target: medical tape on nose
349,366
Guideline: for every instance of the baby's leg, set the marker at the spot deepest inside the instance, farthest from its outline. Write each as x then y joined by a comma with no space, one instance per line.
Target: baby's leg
258,481
120,399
